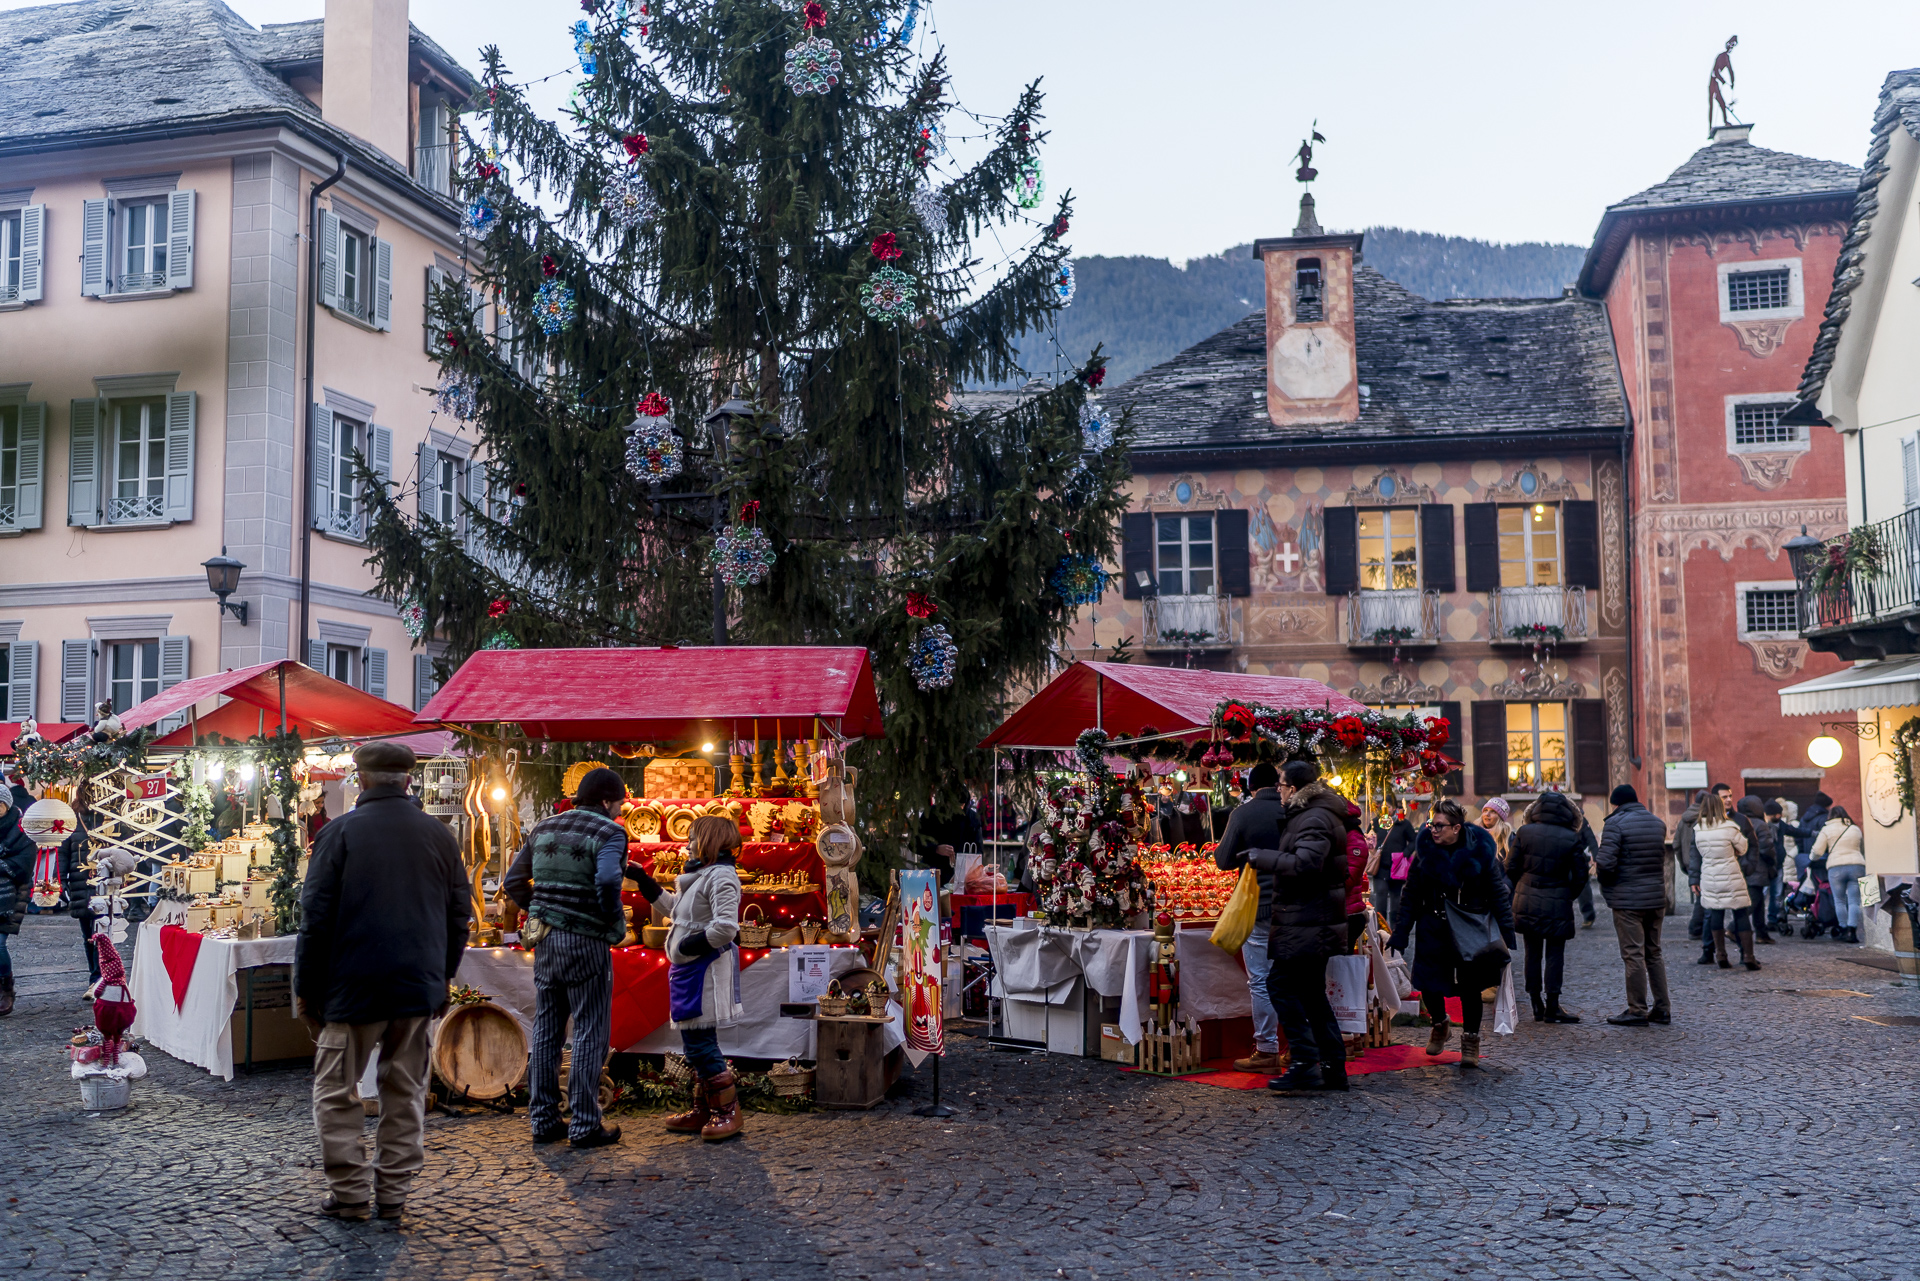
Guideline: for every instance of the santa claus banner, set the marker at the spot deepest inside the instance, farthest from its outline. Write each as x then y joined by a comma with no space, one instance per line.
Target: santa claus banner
920,961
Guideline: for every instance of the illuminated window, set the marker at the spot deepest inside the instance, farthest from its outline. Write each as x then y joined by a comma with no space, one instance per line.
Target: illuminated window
1389,549
1536,746
1530,546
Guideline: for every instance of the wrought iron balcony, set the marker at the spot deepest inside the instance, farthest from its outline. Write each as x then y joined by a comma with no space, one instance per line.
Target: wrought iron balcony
1191,622
1558,614
1405,616
1860,591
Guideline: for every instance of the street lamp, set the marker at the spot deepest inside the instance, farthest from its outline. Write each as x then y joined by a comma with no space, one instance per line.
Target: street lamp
720,426
1824,751
223,579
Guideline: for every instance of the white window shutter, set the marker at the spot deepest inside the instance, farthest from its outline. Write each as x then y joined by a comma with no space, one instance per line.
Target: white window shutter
317,655
381,251
76,682
322,500
173,670
376,672
435,337
33,253
96,237
180,240
182,409
424,687
380,455
329,259
23,679
1910,470
29,502
429,483
84,486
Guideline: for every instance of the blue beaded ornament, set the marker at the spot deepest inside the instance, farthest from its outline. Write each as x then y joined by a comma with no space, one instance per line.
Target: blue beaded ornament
742,556
583,48
457,397
1078,579
480,216
1063,285
932,658
629,200
553,307
1096,427
929,204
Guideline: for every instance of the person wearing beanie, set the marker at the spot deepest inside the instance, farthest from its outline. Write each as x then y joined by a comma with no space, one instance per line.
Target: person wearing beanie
1632,869
566,878
383,925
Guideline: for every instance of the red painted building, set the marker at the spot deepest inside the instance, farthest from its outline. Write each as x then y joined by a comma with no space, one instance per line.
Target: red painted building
1715,281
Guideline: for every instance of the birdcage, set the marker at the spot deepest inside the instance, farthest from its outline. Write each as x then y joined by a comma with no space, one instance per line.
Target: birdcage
441,784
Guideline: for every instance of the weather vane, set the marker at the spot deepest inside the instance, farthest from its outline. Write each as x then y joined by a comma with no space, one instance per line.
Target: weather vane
1306,172
1722,63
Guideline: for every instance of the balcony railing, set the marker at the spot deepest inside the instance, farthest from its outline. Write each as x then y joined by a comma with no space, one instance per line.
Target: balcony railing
1403,616
1564,608
1191,622
1882,587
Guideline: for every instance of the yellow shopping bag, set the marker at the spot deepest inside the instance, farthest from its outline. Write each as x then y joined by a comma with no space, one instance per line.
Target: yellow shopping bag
1236,922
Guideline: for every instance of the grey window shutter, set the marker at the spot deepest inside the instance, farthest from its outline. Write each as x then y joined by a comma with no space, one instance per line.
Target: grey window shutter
1436,546
33,253
180,240
182,409
329,259
23,679
1483,546
29,494
173,670
76,682
96,234
1489,748
1589,720
83,462
380,455
477,501
317,655
322,501
424,687
1230,546
1136,551
376,672
429,482
435,336
1582,545
381,251
1453,783
1340,549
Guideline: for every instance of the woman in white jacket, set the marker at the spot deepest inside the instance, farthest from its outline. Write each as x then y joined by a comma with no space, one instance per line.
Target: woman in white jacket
1840,843
1717,877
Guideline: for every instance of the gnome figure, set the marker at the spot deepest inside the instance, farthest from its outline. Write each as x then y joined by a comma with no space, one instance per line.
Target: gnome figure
112,1002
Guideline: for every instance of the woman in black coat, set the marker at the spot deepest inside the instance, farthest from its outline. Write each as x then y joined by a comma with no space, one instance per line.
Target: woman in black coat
1455,860
1547,866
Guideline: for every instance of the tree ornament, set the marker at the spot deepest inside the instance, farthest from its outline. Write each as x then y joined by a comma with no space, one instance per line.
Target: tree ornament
929,204
888,294
1063,284
487,169
1096,427
629,200
1030,187
654,451
932,658
907,23
583,47
553,307
480,216
813,66
653,405
1079,579
742,556
886,246
548,267
502,639
918,606
457,396
497,607
931,144
1058,229
1096,376
413,617
636,145
750,510
812,14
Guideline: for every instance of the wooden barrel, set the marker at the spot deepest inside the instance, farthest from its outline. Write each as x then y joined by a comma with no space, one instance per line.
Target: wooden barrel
480,1050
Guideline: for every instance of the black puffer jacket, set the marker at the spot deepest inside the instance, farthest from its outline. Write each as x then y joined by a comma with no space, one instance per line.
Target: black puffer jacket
1633,859
1254,826
1309,913
17,852
1547,865
1467,872
1762,859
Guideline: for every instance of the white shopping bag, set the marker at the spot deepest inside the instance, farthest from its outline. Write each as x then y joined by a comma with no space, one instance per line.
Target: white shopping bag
1504,1016
1347,991
1384,985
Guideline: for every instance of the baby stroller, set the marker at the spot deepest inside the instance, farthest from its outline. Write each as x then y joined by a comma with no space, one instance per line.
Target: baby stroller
1814,899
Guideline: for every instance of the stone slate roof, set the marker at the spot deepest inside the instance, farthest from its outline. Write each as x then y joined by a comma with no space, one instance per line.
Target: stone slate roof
1448,375
81,72
1714,181
1899,109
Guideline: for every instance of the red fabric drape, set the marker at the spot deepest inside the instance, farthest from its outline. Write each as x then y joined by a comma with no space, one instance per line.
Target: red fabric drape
179,949
640,992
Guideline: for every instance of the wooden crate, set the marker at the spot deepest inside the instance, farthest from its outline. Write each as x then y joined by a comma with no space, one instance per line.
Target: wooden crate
851,1071
687,776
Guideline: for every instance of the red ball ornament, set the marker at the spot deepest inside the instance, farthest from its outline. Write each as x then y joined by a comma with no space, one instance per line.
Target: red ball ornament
453,338
519,489
654,405
548,267
636,145
886,246
813,14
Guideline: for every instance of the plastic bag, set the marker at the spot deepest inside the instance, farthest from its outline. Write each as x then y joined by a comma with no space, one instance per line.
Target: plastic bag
1238,917
1505,1015
1347,992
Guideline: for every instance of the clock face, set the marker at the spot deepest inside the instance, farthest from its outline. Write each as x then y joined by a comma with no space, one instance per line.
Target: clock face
1883,790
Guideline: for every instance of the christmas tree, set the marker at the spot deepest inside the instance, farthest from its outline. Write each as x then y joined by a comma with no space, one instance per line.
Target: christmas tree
746,292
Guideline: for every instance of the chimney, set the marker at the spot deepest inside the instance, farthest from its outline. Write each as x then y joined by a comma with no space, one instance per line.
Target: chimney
364,77
1312,376
1724,134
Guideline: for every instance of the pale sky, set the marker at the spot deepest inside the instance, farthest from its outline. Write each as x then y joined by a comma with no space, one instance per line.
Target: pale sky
1175,124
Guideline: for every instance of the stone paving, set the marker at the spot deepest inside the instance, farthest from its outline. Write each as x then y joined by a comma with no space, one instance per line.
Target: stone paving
1769,1132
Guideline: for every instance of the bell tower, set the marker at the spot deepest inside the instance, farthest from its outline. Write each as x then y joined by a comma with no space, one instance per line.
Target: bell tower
1312,375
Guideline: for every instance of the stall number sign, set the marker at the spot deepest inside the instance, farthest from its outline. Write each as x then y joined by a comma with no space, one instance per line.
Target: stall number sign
148,787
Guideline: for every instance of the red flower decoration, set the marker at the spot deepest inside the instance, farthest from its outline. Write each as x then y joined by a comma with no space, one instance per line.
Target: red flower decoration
1439,729
548,267
1097,377
1059,228
918,606
886,246
813,14
636,145
1350,730
487,169
653,405
519,489
497,608
750,509
1236,720
453,338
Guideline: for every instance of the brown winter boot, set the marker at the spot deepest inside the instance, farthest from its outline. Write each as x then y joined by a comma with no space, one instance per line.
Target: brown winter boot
724,1100
1437,1040
1469,1049
1746,950
694,1119
6,995
1720,950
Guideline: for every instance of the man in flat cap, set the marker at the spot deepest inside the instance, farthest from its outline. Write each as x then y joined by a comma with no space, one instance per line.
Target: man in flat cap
383,922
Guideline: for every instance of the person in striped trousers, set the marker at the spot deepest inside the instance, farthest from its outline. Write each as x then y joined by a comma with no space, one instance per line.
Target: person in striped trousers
567,879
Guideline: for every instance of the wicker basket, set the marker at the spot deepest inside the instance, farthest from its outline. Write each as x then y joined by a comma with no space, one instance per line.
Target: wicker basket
755,933
789,1080
834,1004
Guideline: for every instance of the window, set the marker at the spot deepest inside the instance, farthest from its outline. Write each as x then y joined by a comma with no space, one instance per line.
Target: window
1389,549
1536,746
1768,290
133,672
137,457
1760,425
1771,611
1530,546
143,246
1307,305
449,489
356,267
138,242
1186,555
9,465
343,496
434,149
1759,290
341,661
10,257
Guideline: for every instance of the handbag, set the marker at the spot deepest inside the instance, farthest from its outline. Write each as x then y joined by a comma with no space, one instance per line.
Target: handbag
1476,940
533,932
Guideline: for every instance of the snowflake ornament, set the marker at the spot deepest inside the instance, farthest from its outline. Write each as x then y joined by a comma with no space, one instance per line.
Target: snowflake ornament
931,144
1078,579
813,66
1096,427
480,216
1063,284
932,658
1030,187
888,294
583,48
413,617
457,396
553,307
629,200
654,451
502,639
929,204
742,556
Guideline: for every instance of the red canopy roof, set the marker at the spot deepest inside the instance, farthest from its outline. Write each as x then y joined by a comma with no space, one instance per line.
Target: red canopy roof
1124,697
318,705
52,731
665,694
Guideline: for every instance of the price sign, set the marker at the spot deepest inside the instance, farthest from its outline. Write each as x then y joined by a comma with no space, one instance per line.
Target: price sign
148,787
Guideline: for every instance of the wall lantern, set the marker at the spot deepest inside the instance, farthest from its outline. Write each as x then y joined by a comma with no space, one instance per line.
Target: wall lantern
1824,751
223,579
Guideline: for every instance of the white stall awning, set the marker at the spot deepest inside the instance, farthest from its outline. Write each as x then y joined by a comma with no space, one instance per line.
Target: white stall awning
1893,682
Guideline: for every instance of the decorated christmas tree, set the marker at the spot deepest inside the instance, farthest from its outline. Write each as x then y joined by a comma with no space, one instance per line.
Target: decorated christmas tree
745,288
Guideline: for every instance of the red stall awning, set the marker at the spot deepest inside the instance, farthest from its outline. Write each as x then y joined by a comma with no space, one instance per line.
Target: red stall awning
317,705
52,731
1124,697
664,695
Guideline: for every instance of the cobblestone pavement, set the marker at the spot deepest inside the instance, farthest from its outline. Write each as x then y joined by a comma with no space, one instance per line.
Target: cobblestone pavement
1768,1132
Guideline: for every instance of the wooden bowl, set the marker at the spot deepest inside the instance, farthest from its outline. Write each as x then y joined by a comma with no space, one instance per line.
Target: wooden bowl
481,1051
654,936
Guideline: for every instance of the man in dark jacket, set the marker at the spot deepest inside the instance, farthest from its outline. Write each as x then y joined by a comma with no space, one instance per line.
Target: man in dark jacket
1309,924
383,921
1632,867
1761,864
17,852
1256,826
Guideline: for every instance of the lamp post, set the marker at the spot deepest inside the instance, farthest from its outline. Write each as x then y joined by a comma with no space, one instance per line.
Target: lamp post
1801,550
223,579
720,426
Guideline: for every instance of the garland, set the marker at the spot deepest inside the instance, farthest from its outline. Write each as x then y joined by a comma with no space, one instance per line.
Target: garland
1537,632
1088,867
42,762
197,820
1858,551
1904,740
280,753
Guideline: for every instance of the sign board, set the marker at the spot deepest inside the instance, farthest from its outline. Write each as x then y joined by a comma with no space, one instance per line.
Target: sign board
811,969
922,971
1685,775
147,787
1883,792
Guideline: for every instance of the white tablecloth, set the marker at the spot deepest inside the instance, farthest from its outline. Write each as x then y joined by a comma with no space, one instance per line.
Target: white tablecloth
506,975
1035,962
200,1029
